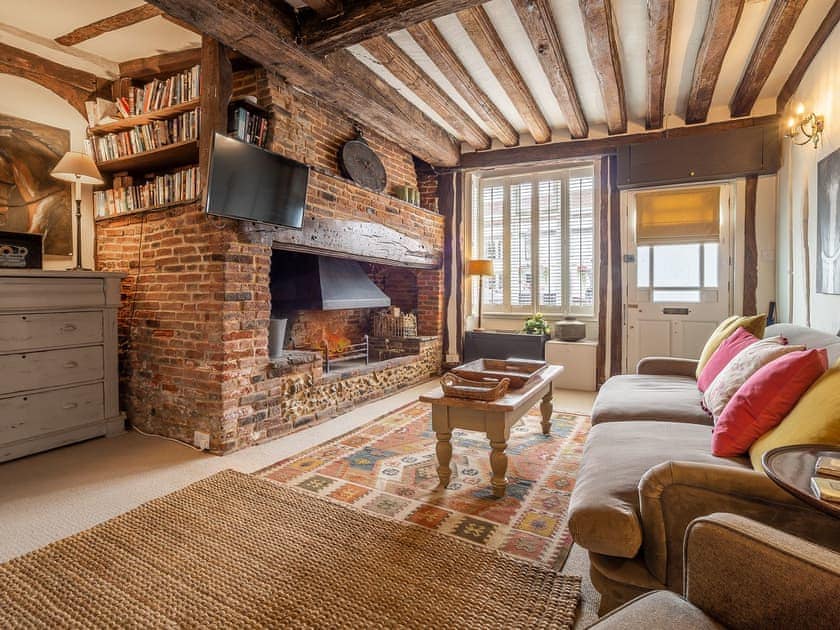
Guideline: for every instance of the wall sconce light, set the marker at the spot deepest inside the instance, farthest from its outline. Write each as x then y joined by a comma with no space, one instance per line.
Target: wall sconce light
809,128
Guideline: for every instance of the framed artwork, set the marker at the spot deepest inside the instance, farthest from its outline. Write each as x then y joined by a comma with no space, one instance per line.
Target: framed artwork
30,200
828,224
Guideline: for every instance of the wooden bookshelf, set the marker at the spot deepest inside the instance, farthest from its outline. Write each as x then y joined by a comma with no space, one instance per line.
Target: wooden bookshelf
166,157
159,114
166,206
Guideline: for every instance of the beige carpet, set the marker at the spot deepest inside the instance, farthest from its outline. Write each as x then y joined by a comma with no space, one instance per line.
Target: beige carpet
236,551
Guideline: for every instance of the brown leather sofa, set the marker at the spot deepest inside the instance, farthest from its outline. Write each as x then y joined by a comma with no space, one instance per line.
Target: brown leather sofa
648,471
742,575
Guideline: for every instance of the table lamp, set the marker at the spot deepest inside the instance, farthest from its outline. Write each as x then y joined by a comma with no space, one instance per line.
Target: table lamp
79,168
480,267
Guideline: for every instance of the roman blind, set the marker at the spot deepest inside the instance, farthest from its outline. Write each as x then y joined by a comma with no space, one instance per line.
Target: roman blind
690,215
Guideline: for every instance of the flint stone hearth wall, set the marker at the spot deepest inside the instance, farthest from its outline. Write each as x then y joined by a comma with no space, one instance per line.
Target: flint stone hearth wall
194,322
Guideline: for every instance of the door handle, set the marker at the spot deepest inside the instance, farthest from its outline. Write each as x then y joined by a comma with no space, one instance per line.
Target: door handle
70,405
71,364
68,328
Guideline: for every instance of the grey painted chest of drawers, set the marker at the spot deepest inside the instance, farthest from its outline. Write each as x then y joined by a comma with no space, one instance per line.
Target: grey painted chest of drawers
58,359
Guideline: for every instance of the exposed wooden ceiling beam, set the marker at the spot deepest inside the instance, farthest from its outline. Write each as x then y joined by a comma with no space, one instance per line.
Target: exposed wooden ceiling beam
792,83
106,25
599,146
660,20
538,21
365,19
777,28
603,51
262,31
478,26
73,85
724,16
428,37
406,70
326,9
147,67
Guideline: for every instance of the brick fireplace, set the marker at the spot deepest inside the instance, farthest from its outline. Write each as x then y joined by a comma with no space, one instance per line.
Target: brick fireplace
196,307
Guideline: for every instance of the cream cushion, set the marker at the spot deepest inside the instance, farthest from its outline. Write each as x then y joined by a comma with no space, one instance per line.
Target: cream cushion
754,324
740,368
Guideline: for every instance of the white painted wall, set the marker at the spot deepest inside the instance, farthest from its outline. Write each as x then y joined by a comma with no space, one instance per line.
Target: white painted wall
797,194
28,100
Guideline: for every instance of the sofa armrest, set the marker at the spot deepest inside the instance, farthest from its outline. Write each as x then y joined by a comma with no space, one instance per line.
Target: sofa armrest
673,494
743,574
667,366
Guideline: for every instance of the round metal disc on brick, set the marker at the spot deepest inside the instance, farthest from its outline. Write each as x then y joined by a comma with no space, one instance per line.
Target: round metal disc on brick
362,165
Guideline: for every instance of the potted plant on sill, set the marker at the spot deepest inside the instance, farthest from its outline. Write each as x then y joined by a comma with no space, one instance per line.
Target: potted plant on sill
536,325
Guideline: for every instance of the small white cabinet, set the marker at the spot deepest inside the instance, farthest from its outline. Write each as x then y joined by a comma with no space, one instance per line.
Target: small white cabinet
58,359
578,359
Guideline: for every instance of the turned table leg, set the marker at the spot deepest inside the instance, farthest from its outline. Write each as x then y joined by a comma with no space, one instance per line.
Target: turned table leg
498,464
444,457
547,408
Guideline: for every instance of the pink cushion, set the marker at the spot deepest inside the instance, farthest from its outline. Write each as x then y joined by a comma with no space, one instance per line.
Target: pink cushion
725,352
765,399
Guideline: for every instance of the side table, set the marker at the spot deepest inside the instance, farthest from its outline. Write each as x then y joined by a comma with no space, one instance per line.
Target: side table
791,468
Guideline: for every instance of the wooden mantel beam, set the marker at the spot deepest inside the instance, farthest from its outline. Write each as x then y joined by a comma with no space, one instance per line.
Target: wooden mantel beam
365,19
108,24
429,38
660,20
777,29
73,85
538,21
264,32
603,51
481,31
723,19
406,70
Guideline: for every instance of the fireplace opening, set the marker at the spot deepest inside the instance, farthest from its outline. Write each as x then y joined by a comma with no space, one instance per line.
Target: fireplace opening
353,314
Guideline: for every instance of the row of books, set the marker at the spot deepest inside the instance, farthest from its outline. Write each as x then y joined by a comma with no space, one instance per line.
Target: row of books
153,135
161,190
248,126
160,93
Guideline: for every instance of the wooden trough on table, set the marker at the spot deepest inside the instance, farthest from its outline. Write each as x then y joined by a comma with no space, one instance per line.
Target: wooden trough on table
520,372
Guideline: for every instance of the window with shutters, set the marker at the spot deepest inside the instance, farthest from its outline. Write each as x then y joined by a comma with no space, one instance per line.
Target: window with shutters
539,232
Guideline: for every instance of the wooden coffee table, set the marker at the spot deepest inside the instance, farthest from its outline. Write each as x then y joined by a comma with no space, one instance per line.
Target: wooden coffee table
791,468
493,418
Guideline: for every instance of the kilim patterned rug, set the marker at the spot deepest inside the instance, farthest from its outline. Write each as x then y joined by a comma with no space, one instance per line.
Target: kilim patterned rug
234,551
388,467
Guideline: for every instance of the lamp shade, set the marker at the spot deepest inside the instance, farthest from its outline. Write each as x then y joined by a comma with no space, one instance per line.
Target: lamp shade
75,166
480,267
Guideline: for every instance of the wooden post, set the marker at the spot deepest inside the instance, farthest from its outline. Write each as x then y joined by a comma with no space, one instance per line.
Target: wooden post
214,96
750,248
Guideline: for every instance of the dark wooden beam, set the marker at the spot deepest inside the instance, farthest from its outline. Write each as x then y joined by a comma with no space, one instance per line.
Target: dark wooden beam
432,42
603,271
148,67
264,32
724,16
406,70
795,77
777,29
616,262
599,146
603,51
326,9
106,25
214,96
478,26
73,85
750,248
538,21
660,20
366,19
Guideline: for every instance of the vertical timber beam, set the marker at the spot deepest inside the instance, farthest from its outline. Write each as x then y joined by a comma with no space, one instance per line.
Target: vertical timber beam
214,96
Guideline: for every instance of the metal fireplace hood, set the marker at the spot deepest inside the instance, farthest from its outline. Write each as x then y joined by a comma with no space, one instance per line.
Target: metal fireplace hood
310,282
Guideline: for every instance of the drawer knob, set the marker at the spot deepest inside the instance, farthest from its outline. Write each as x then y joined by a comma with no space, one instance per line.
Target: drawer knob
68,328
69,405
71,364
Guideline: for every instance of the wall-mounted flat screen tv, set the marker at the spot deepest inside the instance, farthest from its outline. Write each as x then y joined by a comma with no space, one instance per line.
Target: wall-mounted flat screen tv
252,184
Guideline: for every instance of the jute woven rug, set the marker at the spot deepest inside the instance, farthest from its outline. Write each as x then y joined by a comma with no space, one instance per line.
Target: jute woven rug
388,467
233,551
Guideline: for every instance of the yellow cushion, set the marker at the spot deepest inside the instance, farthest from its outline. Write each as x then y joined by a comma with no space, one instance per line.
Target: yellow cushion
814,420
754,324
